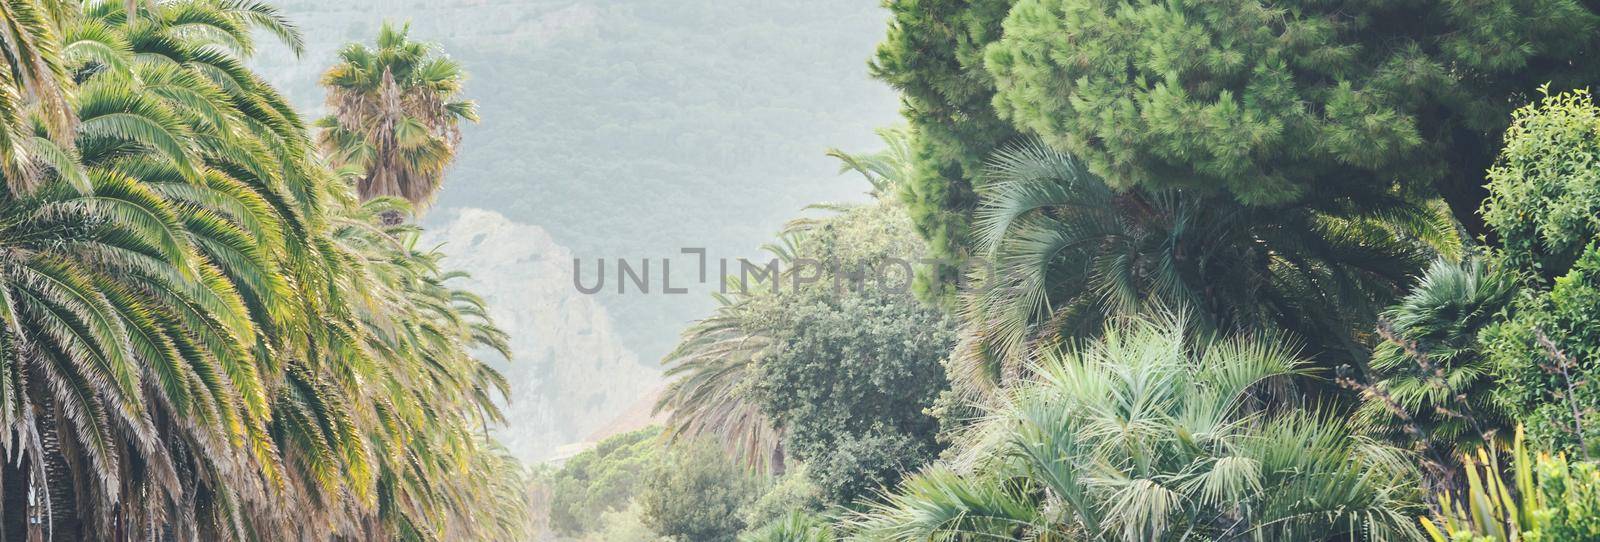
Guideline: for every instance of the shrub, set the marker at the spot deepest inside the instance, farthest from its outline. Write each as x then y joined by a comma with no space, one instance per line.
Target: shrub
1545,355
602,480
1544,192
1142,436
697,493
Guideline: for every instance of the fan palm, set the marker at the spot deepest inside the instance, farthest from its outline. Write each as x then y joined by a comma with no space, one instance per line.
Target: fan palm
1139,436
396,115
1059,252
793,527
1432,383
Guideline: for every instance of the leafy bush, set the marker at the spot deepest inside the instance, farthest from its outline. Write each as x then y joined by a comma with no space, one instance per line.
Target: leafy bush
1545,355
850,375
857,466
602,480
697,494
1544,201
1571,506
792,492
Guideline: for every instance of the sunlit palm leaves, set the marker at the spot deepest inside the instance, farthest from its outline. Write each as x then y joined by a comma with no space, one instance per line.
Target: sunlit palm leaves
33,87
203,334
1139,436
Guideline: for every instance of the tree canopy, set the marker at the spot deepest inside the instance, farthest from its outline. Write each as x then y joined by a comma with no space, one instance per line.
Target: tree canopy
933,54
1305,103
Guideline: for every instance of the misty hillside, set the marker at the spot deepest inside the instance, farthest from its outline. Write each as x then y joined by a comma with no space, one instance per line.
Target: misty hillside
571,374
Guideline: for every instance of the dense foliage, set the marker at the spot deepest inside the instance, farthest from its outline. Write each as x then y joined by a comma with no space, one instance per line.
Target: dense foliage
1278,175
205,335
1302,103
1544,194
1435,384
1063,252
601,480
850,375
1306,104
1545,355
933,54
697,494
1201,310
1544,203
639,487
1142,436
1546,498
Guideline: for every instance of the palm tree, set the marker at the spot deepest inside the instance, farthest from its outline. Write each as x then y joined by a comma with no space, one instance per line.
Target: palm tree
712,370
1142,436
1059,252
396,116
204,336
886,170
1431,381
434,398
33,88
145,373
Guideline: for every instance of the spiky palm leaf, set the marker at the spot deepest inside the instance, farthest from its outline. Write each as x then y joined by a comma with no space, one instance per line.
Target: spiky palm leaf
793,527
1431,384
35,83
1140,436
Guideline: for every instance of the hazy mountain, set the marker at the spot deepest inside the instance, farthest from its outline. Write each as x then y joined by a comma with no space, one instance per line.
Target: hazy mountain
627,129
570,374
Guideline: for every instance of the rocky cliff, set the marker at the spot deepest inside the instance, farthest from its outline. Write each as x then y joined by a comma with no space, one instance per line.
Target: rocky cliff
570,375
